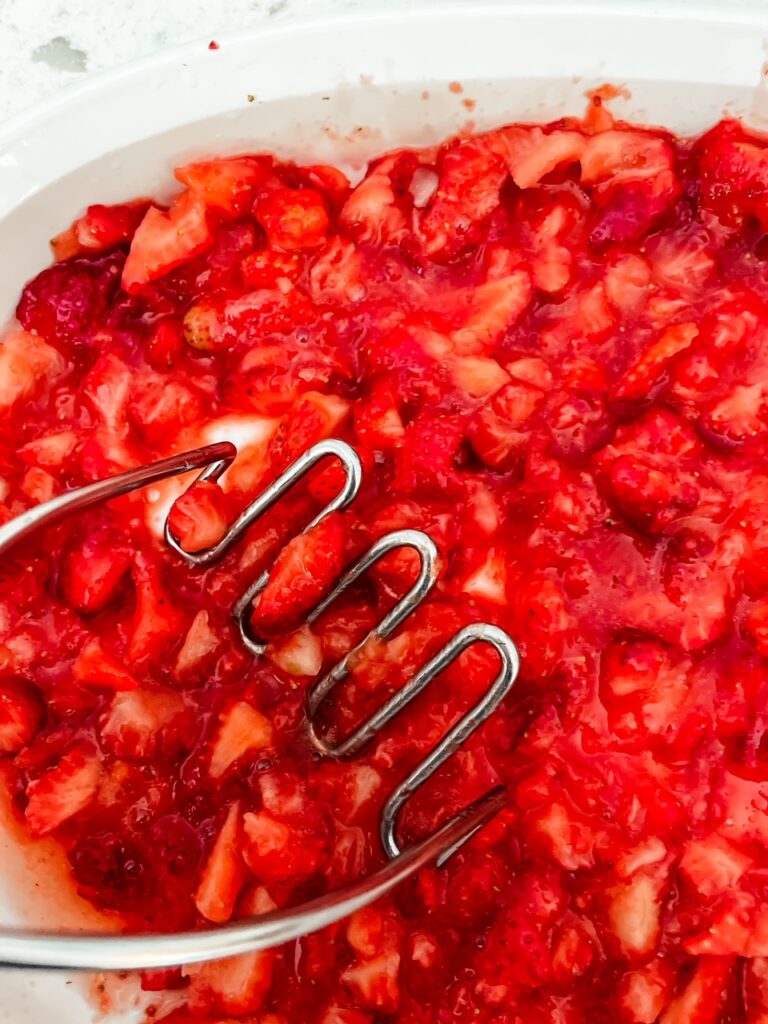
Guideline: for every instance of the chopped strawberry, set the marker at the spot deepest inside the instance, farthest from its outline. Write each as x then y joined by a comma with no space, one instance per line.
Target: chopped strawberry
200,643
223,875
225,185
199,518
97,668
237,986
277,852
312,418
293,218
713,864
733,167
22,713
164,239
156,622
644,993
531,153
94,574
140,723
267,268
299,654
470,177
647,372
241,730
372,212
100,227
499,430
304,571
163,408
701,1000
62,791
375,981
26,363
634,913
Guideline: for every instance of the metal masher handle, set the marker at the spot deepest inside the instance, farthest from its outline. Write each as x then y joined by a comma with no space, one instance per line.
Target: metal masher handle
216,457
95,952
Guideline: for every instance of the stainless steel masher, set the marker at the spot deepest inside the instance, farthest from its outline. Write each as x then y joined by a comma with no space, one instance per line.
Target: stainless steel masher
78,951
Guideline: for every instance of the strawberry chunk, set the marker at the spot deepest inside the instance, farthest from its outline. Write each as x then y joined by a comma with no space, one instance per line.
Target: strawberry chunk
278,852
198,519
294,219
141,723
304,571
242,730
94,574
224,873
22,713
236,986
164,239
26,364
225,185
156,622
97,668
312,418
63,791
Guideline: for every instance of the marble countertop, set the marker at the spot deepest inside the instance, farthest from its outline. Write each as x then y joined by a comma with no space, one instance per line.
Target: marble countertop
48,44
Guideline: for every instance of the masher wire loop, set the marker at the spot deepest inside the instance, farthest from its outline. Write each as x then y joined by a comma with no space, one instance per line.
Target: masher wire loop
99,952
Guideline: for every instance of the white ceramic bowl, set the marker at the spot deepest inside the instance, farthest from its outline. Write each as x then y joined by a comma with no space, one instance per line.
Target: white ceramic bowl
342,90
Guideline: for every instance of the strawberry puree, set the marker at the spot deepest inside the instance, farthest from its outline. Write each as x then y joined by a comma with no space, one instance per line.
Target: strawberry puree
549,345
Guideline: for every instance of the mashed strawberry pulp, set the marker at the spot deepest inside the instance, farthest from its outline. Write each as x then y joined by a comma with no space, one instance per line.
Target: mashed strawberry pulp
549,346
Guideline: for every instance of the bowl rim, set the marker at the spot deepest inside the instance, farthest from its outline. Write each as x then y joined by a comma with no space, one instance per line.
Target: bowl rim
73,94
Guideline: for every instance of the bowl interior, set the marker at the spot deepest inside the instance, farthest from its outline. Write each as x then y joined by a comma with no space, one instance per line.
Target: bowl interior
339,91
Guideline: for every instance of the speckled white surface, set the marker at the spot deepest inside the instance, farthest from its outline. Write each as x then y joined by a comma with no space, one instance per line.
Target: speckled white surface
47,44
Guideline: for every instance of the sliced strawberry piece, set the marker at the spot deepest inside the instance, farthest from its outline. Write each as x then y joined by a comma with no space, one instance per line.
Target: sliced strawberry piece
304,571
100,227
378,420
644,993
164,239
312,418
95,667
242,730
94,574
647,372
372,212
425,462
237,986
38,485
495,308
298,654
268,268
51,450
223,874
226,185
294,219
161,408
341,1015
141,723
531,153
634,913
470,175
500,430
713,865
200,644
733,168
278,852
701,1000
26,364
335,274
375,982
199,518
156,622
63,791
22,714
